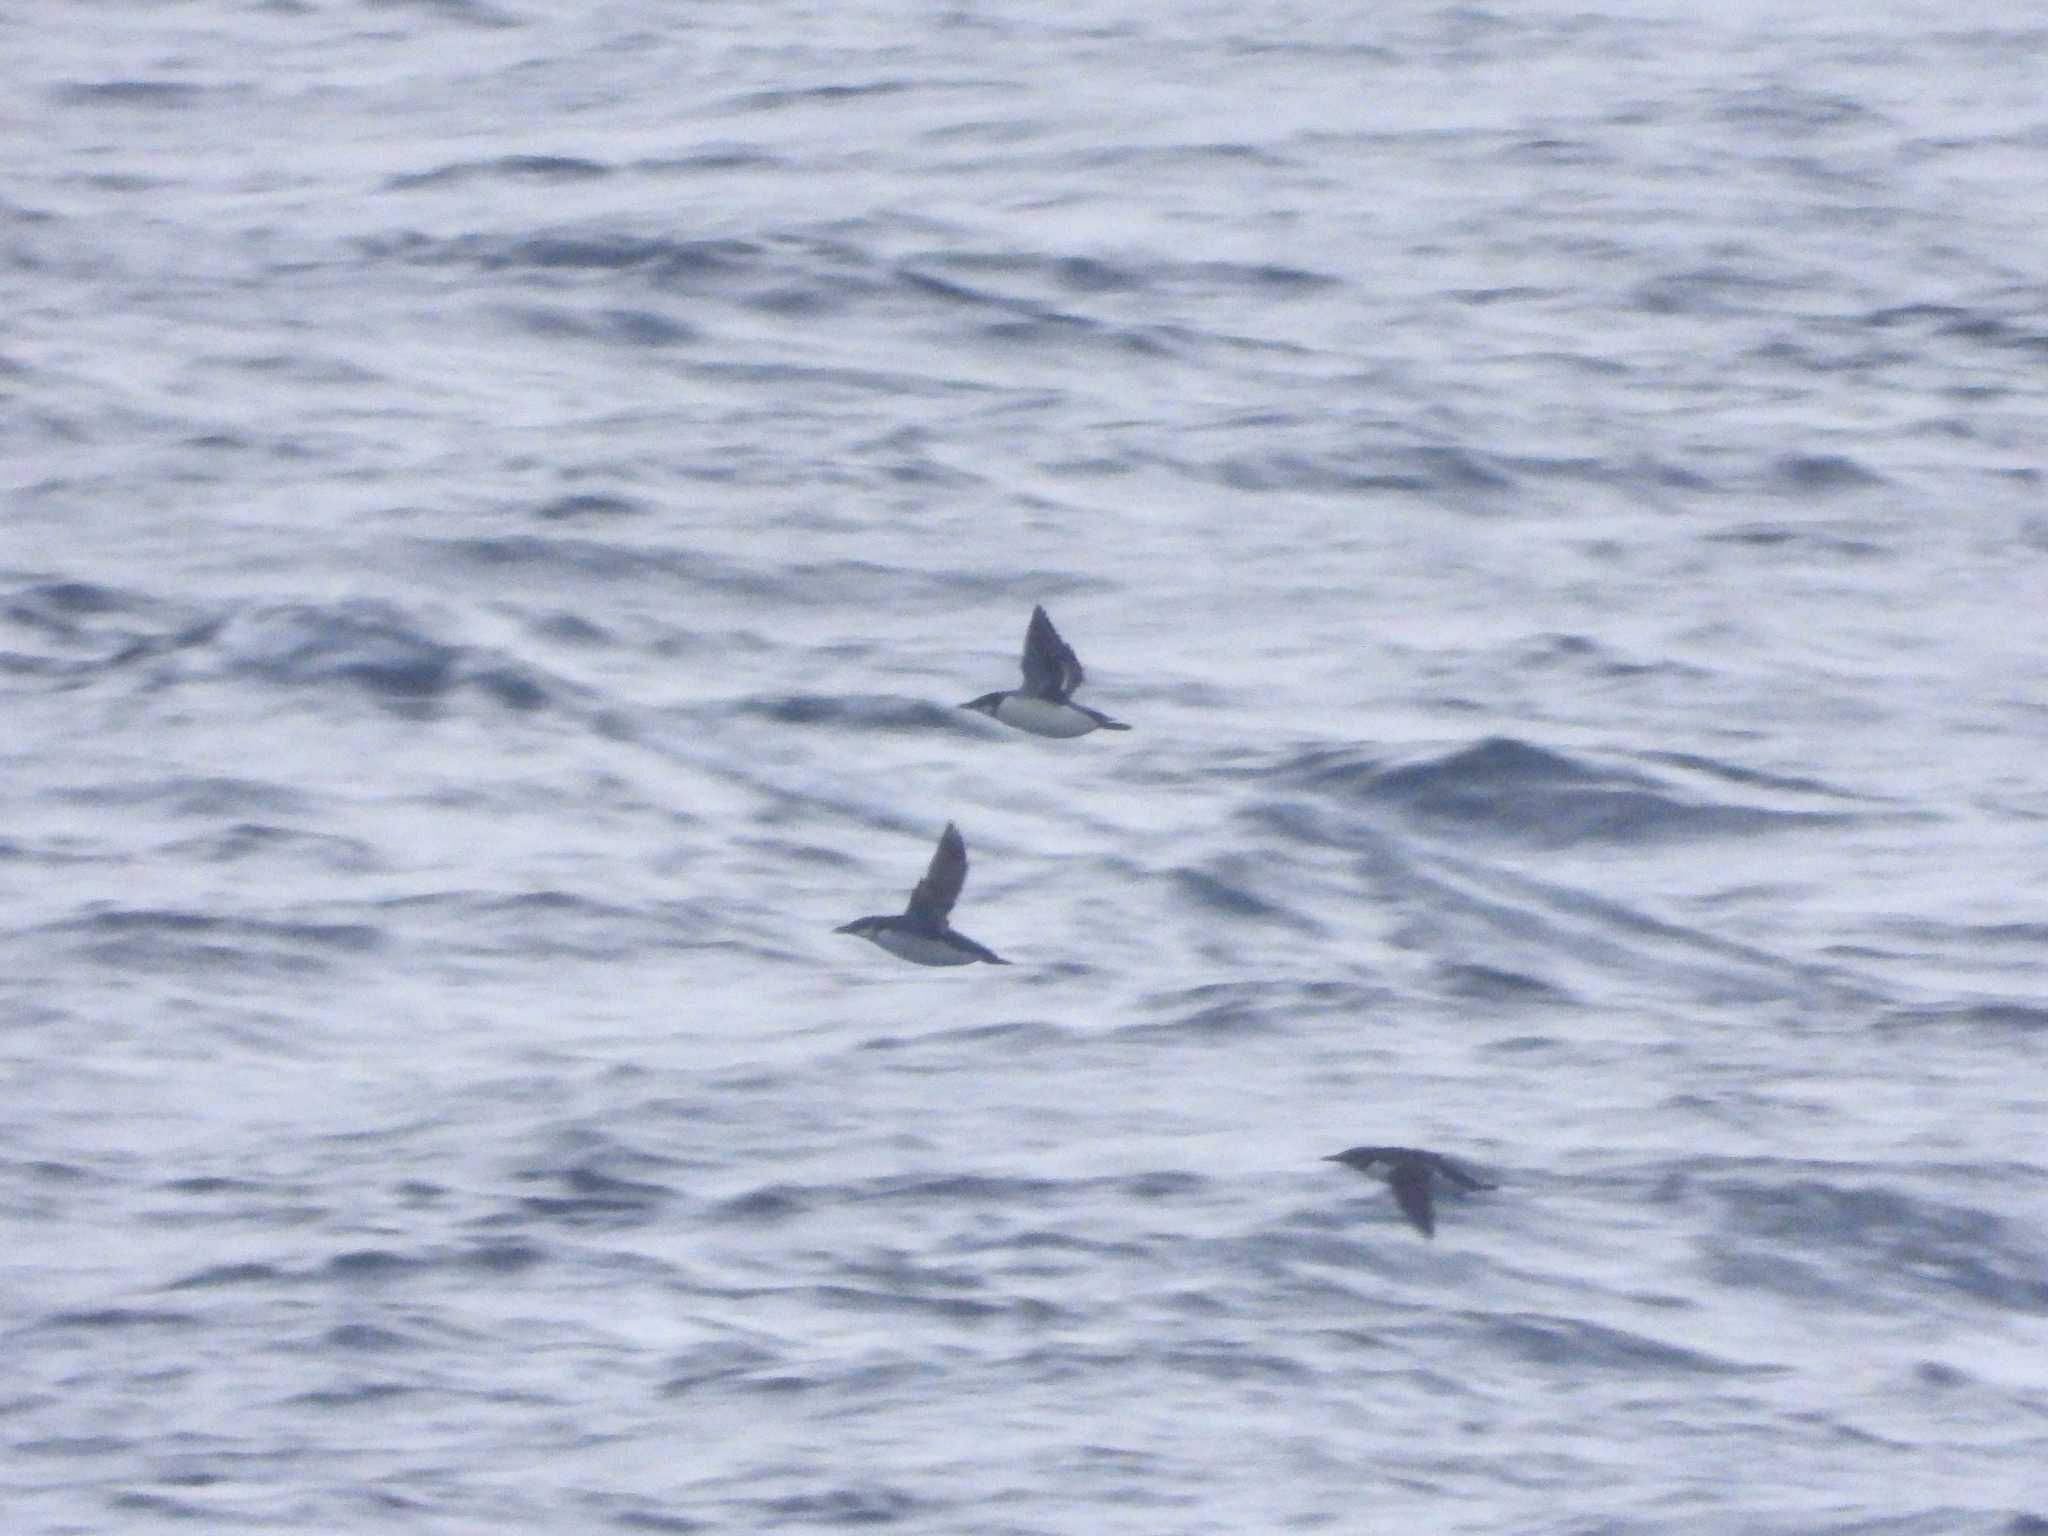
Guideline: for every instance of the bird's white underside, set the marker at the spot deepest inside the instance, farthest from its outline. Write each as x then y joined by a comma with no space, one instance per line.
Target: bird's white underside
917,947
1042,718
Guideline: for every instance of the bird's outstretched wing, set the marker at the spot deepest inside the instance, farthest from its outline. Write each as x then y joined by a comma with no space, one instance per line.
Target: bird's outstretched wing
1410,1178
943,878
1051,669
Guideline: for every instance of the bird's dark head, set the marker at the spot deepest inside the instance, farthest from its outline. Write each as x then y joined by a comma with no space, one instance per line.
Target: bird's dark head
1360,1158
861,927
986,704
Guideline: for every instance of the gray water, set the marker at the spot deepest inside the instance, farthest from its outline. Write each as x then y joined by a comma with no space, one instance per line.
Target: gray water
503,501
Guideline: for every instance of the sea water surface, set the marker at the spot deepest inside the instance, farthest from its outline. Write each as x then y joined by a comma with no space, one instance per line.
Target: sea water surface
502,503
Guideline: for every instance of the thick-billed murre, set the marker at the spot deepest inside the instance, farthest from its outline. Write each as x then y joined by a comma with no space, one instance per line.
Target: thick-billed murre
1413,1174
1044,706
922,933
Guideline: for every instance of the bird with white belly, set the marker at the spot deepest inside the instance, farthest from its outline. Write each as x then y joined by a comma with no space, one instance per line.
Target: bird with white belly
1045,705
922,934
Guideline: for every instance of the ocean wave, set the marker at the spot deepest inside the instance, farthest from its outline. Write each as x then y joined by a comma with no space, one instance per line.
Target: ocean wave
170,940
1782,1235
256,840
1579,1345
2023,1015
542,169
1503,787
77,630
1226,891
177,94
859,712
380,650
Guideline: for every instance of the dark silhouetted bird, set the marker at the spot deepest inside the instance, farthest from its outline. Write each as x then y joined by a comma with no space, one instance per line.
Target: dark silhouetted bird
1413,1174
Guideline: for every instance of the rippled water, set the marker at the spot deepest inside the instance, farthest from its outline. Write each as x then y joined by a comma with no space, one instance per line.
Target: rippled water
502,503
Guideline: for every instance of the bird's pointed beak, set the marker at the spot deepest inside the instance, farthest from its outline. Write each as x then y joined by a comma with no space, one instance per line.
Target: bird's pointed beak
852,927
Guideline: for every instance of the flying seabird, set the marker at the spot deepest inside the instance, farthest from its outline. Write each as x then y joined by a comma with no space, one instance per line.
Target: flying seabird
922,933
1413,1174
1044,706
